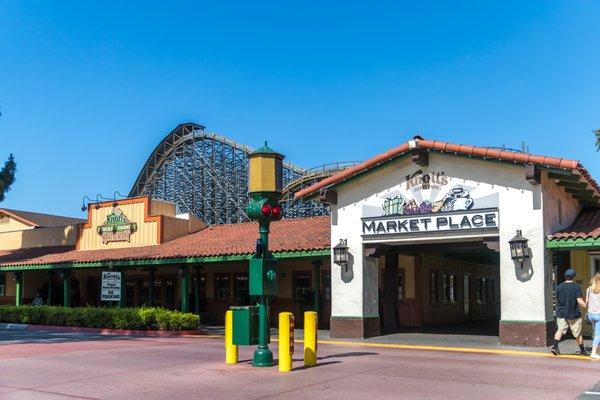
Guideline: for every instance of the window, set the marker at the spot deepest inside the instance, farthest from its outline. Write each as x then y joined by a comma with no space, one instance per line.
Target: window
327,286
202,283
302,286
451,293
595,263
482,290
434,295
130,293
445,290
222,287
2,284
493,289
401,284
242,295
170,294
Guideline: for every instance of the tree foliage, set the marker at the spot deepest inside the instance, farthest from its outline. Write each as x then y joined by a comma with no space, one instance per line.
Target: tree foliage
7,176
597,133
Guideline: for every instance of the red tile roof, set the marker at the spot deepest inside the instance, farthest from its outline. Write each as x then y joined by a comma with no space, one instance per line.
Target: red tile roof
585,226
445,147
40,220
287,235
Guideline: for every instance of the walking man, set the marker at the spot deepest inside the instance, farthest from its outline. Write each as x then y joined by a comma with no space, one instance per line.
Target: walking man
568,300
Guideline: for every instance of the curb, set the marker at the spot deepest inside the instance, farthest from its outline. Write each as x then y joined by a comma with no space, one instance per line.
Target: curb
99,331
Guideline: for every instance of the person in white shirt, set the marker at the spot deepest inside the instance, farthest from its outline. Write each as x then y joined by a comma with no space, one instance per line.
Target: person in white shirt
593,311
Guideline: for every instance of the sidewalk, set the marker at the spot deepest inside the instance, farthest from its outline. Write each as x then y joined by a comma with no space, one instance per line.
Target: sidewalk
446,340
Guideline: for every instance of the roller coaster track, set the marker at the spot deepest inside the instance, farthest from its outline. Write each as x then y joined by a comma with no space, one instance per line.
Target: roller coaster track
207,174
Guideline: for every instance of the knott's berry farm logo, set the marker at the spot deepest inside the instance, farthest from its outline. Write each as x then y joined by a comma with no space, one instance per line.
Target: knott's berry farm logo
429,195
117,228
426,180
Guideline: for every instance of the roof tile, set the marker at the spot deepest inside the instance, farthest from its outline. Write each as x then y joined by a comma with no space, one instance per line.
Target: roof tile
469,150
300,234
585,226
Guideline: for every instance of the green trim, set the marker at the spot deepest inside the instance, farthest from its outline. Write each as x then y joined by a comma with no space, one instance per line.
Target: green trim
578,243
284,255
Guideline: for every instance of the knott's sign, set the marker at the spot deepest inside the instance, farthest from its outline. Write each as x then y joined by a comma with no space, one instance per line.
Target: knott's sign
427,223
431,201
117,228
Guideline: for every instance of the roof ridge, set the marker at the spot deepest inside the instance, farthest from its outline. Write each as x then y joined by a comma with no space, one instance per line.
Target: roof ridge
442,146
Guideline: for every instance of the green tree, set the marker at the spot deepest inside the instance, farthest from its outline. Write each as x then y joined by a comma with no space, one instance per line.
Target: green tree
7,176
597,133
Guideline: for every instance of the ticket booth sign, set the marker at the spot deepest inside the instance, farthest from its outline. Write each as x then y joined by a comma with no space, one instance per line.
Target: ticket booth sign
111,286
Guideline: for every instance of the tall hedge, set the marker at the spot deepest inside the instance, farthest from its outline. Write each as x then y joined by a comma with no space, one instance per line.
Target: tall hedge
147,318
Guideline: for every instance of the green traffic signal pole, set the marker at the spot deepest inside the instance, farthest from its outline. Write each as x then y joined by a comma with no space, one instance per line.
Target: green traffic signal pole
263,356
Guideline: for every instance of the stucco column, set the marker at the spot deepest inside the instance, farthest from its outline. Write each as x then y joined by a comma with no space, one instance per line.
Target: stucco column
354,291
525,291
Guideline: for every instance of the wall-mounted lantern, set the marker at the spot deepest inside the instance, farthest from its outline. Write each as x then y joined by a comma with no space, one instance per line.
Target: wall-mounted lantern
340,253
519,250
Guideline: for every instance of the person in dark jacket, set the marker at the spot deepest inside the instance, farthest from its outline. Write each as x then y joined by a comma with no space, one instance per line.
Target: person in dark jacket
568,316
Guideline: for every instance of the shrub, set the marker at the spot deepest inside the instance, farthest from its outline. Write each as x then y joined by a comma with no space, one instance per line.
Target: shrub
147,318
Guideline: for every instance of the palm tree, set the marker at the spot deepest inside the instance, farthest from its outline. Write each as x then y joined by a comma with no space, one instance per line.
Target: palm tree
597,133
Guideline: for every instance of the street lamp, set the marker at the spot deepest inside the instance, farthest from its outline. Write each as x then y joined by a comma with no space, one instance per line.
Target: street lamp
340,253
519,250
265,183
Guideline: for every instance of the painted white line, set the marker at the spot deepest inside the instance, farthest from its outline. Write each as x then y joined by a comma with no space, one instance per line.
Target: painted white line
593,393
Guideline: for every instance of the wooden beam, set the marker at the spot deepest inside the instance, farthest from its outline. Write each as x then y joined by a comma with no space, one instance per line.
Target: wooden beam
563,177
327,196
573,185
533,174
420,157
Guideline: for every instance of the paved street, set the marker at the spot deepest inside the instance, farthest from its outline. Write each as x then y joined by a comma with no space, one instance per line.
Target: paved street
41,365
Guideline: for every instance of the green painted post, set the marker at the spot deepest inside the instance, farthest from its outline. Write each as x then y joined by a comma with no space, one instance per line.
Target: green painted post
122,303
197,289
18,277
317,300
66,277
185,288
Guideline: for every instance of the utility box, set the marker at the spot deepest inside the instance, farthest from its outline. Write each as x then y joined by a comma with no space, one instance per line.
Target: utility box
245,325
263,277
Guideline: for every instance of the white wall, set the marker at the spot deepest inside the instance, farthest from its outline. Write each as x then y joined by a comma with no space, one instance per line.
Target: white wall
520,207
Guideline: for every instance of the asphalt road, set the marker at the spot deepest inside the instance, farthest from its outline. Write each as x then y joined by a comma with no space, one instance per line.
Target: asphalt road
43,365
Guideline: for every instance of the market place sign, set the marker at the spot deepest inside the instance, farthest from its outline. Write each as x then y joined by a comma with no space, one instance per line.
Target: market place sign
117,227
431,222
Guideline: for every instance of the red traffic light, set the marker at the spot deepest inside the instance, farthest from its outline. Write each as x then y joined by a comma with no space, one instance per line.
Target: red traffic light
276,212
265,210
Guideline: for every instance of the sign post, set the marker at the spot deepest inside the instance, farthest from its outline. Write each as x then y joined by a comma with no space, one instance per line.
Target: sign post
111,286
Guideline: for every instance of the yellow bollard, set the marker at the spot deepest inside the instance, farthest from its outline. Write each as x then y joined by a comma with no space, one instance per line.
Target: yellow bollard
231,350
310,338
286,341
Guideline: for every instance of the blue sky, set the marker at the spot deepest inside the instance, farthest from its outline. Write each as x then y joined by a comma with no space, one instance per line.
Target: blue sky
87,89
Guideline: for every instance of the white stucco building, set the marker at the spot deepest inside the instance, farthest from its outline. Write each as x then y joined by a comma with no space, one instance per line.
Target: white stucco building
427,226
